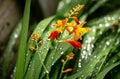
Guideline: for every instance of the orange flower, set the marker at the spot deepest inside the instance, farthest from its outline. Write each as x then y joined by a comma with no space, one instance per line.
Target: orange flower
62,60
68,70
78,30
70,56
40,42
54,35
61,24
74,43
35,36
32,48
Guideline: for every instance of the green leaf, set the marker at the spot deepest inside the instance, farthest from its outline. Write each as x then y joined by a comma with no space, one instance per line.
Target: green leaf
15,34
91,54
87,70
102,74
56,52
34,65
23,41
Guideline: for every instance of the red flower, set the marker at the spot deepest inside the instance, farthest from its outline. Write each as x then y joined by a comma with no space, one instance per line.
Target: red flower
54,35
74,43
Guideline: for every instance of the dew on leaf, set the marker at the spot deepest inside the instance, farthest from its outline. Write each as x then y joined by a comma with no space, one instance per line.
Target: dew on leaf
79,64
82,76
52,57
100,25
95,56
100,32
107,25
94,30
62,53
107,43
16,35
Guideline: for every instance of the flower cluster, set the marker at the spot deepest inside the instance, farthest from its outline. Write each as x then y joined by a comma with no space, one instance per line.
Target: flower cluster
35,38
74,27
76,10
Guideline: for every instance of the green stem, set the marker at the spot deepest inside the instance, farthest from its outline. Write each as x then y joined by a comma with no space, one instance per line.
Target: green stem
62,68
42,62
113,40
23,40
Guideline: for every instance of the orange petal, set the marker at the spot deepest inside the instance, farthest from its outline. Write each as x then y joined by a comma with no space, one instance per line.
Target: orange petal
54,35
62,60
68,70
74,43
32,48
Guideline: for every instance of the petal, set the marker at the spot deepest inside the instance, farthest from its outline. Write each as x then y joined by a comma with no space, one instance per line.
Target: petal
68,70
74,43
76,20
54,35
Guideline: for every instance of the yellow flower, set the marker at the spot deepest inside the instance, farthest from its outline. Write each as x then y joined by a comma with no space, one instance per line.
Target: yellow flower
61,24
40,42
76,10
32,48
35,36
70,56
78,31
62,60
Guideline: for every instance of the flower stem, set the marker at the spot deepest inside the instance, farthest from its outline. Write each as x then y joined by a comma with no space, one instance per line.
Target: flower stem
63,66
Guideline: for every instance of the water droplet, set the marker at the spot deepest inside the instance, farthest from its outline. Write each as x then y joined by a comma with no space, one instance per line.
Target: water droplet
89,39
14,70
107,24
83,47
117,42
100,33
100,25
47,49
91,65
27,54
92,46
113,61
95,56
60,48
86,41
79,65
15,35
62,53
52,57
113,18
108,18
93,30
107,43
82,76
97,68
52,64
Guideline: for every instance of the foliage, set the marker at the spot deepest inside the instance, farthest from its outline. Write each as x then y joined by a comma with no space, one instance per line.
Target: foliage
99,57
